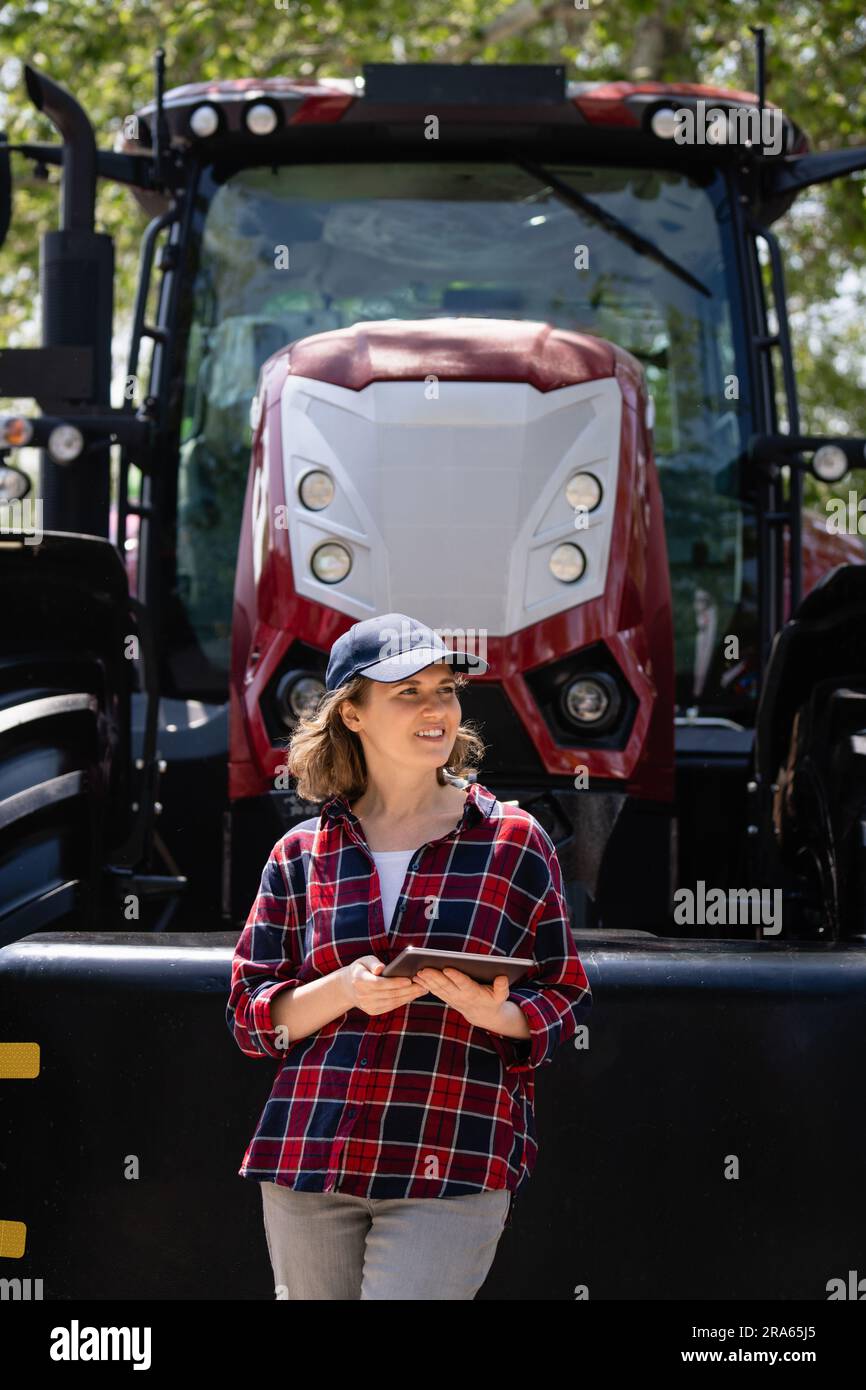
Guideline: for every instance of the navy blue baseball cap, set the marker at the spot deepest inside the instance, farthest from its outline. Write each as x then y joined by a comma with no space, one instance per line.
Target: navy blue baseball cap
391,648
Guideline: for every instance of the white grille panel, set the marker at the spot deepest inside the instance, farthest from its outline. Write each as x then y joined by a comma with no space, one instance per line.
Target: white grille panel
451,507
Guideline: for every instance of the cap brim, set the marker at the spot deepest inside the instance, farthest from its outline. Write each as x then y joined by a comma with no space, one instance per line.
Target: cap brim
405,664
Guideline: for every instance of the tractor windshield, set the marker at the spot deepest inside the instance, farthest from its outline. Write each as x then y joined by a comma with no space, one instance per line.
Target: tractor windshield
286,252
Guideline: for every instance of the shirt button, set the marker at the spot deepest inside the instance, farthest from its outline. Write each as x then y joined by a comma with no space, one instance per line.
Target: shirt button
363,1061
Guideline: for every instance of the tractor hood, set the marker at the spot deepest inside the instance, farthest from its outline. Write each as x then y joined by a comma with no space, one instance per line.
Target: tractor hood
449,445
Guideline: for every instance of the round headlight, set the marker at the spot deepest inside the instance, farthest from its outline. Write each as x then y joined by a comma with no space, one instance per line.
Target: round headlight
830,463
663,123
261,119
205,120
65,443
567,563
298,696
316,490
583,490
14,484
331,562
592,701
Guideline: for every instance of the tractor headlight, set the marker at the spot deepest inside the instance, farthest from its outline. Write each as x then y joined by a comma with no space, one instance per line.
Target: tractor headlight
331,562
830,463
14,484
298,695
567,563
205,120
663,123
592,701
583,490
316,489
261,119
65,443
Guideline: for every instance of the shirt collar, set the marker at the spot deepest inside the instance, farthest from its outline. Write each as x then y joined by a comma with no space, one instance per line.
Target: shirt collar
479,805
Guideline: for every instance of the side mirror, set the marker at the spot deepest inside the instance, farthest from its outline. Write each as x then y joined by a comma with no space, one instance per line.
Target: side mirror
832,457
5,188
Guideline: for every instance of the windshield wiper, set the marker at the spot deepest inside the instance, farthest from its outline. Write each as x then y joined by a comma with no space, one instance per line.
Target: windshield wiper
612,223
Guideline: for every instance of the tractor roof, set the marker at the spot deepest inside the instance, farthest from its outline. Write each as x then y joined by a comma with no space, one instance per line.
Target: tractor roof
495,96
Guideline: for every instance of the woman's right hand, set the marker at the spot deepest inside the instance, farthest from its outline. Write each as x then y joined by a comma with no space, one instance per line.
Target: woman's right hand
366,991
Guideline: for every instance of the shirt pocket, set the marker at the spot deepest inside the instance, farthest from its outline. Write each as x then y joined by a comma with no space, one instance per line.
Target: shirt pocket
457,921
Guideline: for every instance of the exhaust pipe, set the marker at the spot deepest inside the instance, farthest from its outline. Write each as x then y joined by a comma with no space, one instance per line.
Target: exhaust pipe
78,185
76,278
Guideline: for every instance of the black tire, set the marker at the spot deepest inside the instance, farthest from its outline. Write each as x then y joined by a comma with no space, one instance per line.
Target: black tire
65,686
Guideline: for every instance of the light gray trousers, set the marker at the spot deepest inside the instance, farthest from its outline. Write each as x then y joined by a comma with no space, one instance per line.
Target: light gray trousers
331,1245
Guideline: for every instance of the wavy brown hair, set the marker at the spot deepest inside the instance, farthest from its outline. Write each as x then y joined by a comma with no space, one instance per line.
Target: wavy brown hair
327,759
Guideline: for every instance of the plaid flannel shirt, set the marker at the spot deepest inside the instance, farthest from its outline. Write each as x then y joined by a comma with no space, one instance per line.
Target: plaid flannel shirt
416,1102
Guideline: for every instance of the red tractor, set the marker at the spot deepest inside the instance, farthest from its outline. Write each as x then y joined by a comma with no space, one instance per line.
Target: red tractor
476,344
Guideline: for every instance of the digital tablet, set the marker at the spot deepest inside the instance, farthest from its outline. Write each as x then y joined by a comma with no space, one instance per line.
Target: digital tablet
480,967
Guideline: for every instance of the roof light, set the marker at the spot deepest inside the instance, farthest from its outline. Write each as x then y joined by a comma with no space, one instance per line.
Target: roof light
205,120
261,119
664,122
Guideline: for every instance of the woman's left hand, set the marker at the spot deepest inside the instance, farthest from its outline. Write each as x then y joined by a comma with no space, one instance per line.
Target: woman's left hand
479,1004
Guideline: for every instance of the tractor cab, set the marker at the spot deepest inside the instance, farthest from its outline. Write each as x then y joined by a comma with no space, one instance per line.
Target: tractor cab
637,254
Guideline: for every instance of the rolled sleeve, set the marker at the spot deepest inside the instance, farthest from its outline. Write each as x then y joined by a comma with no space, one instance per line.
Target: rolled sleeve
557,999
265,961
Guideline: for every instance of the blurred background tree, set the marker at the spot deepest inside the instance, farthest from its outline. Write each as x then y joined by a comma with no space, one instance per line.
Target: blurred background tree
102,51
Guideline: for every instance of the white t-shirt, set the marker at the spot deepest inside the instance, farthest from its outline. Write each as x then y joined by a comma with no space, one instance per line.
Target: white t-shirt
392,865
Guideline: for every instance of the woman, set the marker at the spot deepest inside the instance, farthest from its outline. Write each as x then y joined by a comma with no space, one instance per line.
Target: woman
401,1124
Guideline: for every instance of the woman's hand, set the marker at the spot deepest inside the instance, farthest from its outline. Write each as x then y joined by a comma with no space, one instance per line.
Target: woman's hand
364,990
479,1004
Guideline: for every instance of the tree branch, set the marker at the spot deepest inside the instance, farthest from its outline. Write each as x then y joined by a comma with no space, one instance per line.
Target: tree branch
519,17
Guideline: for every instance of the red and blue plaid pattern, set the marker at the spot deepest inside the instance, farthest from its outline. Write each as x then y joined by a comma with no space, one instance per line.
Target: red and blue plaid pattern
416,1102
